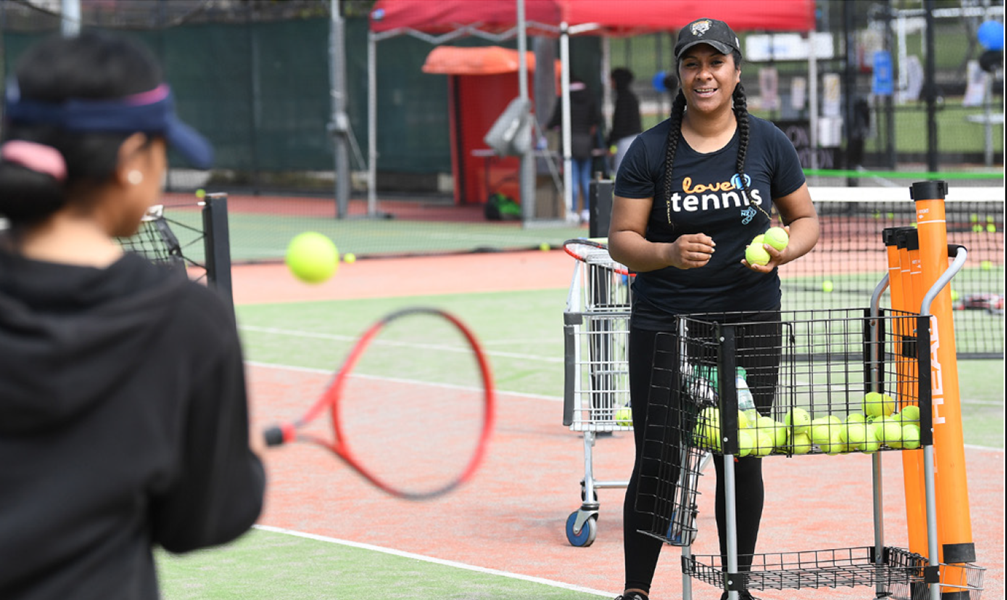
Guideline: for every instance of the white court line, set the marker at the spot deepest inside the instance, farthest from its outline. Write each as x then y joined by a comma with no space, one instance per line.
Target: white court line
437,561
348,338
264,365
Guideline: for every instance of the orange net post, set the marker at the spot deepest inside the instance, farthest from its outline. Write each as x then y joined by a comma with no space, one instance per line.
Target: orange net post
951,485
912,472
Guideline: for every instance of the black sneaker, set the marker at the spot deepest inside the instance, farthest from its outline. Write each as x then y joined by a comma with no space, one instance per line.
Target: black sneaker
743,595
633,596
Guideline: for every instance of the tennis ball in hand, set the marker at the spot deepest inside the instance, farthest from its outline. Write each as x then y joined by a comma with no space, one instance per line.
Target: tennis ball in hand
759,239
777,237
878,405
624,416
755,254
312,257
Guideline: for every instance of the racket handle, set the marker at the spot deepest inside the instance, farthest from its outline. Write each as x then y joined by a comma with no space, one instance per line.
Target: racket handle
274,436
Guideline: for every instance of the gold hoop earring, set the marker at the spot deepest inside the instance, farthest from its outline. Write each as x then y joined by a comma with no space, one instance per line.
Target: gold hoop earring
134,177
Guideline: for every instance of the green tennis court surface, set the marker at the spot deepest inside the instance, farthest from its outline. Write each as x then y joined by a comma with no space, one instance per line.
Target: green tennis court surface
522,333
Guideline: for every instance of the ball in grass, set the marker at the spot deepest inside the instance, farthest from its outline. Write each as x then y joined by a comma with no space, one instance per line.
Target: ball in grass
777,237
349,258
878,405
201,193
312,257
624,416
827,286
755,254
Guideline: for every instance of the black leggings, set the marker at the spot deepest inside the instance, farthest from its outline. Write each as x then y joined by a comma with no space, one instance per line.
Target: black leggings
641,550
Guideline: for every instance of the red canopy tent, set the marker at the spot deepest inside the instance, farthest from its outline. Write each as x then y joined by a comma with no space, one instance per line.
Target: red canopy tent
444,20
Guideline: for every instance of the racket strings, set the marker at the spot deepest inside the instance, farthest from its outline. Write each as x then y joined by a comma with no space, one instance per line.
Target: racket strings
413,410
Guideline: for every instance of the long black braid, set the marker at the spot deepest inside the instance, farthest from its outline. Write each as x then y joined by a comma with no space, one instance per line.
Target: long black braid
675,132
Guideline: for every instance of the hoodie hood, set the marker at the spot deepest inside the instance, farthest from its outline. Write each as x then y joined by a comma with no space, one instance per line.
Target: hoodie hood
69,334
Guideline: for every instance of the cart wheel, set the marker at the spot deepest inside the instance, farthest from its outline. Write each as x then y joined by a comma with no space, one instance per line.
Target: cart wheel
587,532
583,494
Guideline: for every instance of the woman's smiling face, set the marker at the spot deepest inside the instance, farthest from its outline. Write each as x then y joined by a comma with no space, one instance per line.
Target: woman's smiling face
708,78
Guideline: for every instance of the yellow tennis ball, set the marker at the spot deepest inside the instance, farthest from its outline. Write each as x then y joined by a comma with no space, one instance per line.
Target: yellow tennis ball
853,434
991,228
910,414
910,437
755,254
822,430
544,247
349,258
878,405
799,419
871,442
777,237
312,257
759,239
201,193
986,265
827,286
624,416
888,431
764,443
746,443
800,443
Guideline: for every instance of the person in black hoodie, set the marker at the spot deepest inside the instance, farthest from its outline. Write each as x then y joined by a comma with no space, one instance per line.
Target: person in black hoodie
626,121
123,412
584,121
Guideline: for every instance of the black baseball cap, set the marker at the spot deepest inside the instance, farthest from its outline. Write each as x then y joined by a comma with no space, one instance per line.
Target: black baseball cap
707,31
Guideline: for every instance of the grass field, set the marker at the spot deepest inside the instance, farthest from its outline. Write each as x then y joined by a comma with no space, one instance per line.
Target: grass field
522,331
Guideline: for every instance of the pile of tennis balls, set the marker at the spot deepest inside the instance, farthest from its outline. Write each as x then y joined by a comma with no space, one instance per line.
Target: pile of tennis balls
878,425
776,237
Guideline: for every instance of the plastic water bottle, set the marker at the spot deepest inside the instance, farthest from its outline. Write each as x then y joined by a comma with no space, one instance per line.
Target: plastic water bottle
746,403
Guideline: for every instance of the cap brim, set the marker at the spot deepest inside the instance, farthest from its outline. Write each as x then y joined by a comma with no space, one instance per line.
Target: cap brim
718,46
189,143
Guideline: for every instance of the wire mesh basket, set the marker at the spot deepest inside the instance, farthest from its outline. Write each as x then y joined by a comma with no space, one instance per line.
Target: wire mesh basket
821,382
959,581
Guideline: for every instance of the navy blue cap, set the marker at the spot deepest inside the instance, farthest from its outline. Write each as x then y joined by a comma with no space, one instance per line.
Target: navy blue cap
150,112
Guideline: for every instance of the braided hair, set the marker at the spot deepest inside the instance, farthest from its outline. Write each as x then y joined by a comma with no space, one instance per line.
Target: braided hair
675,132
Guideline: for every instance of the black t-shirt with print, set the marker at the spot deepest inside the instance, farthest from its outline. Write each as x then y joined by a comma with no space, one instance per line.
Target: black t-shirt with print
706,198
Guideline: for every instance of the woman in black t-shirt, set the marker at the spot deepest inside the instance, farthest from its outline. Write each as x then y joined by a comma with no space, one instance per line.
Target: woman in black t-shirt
691,194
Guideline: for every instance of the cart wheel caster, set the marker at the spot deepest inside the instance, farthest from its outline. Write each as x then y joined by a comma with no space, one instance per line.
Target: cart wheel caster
583,494
587,532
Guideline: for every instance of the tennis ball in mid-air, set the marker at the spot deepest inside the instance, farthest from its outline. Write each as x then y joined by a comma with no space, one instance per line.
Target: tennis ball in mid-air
799,419
201,193
349,258
755,254
312,257
624,416
827,286
878,405
777,237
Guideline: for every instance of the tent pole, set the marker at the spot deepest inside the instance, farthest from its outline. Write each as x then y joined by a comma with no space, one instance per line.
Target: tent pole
527,173
564,55
372,124
813,99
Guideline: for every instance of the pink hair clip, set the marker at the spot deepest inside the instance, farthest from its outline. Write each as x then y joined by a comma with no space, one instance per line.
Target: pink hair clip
35,156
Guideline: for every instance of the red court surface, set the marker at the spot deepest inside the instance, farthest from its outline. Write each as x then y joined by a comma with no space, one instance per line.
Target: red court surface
511,517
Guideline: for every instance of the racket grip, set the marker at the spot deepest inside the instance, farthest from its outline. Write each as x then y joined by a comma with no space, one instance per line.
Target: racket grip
274,436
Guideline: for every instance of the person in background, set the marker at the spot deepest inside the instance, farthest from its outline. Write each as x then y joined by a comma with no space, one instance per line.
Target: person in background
585,118
123,412
690,195
626,121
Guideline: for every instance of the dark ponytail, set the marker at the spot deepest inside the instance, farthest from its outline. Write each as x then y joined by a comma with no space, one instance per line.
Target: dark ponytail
91,66
674,133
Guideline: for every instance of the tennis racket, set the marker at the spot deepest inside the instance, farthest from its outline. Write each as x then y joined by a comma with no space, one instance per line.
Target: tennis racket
411,409
594,251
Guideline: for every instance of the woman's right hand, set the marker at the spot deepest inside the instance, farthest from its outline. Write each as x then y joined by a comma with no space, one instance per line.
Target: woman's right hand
690,251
